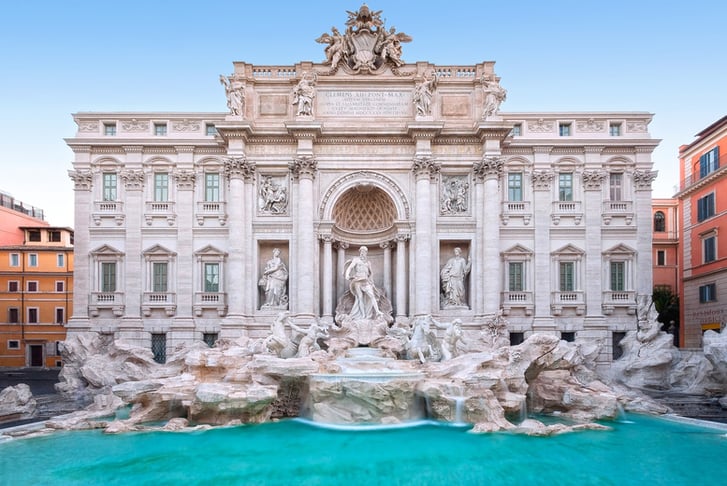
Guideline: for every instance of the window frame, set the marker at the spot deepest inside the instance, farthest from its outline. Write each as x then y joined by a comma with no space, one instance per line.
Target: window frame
705,207
660,258
60,260
13,284
109,186
565,129
33,315
709,162
13,344
161,186
515,186
34,284
109,129
160,129
565,191
616,186
108,281
60,286
708,293
709,248
212,193
14,260
32,260
13,315
659,222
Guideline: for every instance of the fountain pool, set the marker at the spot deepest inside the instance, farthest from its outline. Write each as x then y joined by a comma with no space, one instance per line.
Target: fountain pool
638,451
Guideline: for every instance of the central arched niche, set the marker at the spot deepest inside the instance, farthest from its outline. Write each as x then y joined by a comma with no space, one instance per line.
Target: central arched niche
365,214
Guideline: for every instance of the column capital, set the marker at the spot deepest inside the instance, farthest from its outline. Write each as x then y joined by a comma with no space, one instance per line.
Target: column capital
238,167
82,179
342,245
185,179
303,166
326,238
592,179
425,165
542,179
402,237
644,178
133,179
490,167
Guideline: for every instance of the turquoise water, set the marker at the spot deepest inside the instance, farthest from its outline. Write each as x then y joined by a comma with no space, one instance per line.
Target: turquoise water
645,451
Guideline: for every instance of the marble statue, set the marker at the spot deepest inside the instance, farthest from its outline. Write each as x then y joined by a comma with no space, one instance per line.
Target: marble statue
273,197
303,94
423,343
279,342
309,343
390,45
494,334
358,273
335,49
494,96
454,195
453,276
452,336
235,92
423,94
273,282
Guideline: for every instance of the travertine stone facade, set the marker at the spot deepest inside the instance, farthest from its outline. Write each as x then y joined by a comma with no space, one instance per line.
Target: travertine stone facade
183,210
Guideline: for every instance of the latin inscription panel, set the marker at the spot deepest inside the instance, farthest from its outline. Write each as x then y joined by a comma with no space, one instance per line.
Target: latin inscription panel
364,103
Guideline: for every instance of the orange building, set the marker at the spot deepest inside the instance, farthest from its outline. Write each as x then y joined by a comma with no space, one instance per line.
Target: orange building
13,215
703,215
665,241
36,296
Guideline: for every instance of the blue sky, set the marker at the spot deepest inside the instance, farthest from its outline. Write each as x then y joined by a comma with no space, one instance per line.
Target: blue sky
61,57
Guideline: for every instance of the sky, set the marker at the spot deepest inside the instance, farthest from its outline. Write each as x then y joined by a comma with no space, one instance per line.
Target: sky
62,57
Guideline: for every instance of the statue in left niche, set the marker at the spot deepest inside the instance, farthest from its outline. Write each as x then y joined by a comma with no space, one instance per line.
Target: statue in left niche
303,94
273,282
235,92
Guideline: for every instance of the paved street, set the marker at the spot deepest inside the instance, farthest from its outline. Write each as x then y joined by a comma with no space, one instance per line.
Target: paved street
39,380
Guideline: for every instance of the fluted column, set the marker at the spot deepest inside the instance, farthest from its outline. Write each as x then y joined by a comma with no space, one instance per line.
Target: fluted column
303,169
340,280
82,185
489,169
424,168
478,250
249,288
386,245
401,276
327,277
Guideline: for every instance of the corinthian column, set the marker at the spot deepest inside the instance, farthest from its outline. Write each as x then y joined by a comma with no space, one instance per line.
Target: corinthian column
489,169
424,168
303,168
82,184
327,277
401,276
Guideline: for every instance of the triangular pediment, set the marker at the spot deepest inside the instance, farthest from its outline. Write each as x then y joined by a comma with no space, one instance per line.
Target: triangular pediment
620,249
158,250
517,250
209,250
569,250
107,250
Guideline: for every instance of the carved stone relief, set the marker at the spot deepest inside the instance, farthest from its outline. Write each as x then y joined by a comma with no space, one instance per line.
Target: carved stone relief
454,196
273,195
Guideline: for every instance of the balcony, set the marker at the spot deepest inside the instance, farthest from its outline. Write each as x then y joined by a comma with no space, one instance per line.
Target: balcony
623,209
159,300
108,209
566,209
613,299
516,209
574,299
211,209
113,301
210,300
517,300
159,209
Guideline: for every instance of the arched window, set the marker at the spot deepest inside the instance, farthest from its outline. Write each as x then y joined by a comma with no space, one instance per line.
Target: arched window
659,221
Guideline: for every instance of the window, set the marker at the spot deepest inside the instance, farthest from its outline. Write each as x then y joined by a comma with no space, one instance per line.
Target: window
564,129
709,249
60,315
160,129
705,207
210,338
13,286
210,130
616,338
615,183
14,259
13,315
34,235
60,286
109,129
32,259
32,286
565,186
516,338
618,276
515,277
614,129
54,236
659,222
109,186
709,162
32,315
515,186
707,293
13,344
159,347
108,277
161,187
159,270
60,260
211,277
517,130
660,258
211,187
568,336
567,272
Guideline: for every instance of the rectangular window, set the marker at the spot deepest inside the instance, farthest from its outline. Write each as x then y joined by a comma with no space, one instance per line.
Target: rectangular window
614,129
159,347
159,270
517,130
109,186
515,277
109,129
13,344
707,293
615,186
13,286
660,258
54,236
709,162
564,129
210,338
32,286
160,129
515,186
60,286
108,277
211,277
32,315
618,276
15,259
60,315
709,249
161,187
565,186
210,130
616,338
567,276
13,315
32,259
705,207
517,338
34,235
568,336
60,260
211,187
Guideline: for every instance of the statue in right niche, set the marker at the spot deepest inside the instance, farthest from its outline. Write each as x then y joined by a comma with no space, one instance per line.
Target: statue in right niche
453,277
274,282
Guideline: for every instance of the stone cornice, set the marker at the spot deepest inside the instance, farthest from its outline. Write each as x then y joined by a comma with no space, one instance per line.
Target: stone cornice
424,130
304,129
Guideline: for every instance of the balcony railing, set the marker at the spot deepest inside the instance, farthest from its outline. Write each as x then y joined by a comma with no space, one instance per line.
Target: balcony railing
159,209
613,209
159,300
210,300
106,300
517,300
211,209
619,299
568,299
694,178
567,209
108,209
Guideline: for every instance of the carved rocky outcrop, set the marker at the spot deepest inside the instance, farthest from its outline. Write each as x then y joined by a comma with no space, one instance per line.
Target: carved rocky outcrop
17,403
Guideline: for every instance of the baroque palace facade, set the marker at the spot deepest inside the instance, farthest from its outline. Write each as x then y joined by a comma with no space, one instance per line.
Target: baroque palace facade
195,226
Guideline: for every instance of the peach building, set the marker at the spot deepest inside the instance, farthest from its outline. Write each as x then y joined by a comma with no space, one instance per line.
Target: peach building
666,243
703,216
13,215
